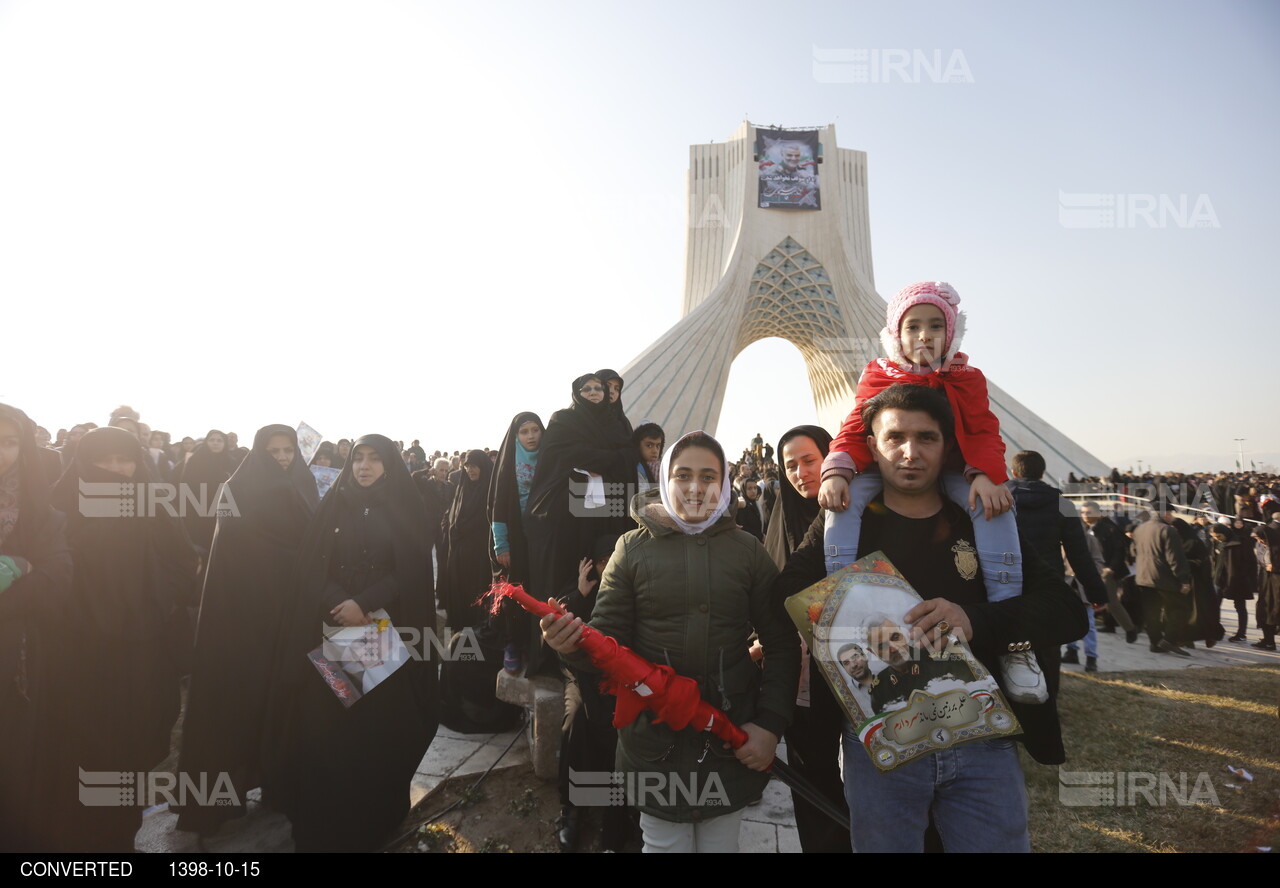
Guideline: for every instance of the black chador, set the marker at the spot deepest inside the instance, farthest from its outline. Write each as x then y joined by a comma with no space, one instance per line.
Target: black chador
264,512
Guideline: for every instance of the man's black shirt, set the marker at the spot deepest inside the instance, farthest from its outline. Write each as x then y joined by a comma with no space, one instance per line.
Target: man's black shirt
937,554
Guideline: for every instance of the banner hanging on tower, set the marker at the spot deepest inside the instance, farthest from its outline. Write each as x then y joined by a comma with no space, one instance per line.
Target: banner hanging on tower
788,169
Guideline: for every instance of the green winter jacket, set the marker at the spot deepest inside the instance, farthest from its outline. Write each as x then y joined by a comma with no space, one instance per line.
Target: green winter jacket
691,601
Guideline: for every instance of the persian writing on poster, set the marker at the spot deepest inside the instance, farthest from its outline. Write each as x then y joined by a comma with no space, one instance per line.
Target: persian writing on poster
906,701
788,169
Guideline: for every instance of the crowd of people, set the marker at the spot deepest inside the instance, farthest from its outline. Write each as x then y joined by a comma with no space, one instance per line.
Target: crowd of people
667,546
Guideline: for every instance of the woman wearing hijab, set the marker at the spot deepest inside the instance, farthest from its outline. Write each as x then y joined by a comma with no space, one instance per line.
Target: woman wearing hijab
620,522
1205,607
568,507
467,685
467,572
798,498
209,466
342,774
813,740
687,588
124,638
508,509
613,390
264,512
35,583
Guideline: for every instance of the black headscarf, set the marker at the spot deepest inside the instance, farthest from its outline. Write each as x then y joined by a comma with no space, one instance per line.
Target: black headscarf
202,474
467,514
268,496
581,425
28,474
615,409
131,570
504,492
396,497
795,511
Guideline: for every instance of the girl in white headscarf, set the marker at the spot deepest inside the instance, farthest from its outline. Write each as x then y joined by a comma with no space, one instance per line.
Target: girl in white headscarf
688,588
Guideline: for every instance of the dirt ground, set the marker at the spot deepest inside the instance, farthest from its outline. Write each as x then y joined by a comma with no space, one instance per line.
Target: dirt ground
512,811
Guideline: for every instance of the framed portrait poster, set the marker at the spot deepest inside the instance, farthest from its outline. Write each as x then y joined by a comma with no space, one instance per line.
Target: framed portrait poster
905,701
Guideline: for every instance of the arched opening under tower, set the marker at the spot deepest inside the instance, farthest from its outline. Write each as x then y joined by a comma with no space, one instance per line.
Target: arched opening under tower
768,392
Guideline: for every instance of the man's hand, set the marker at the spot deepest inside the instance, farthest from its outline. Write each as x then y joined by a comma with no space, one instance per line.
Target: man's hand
349,614
996,498
504,560
925,617
757,753
586,585
561,633
833,495
1186,589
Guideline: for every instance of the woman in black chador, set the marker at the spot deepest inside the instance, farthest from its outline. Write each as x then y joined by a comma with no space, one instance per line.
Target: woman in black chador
583,440
467,572
123,639
342,774
264,512
35,582
210,465
468,704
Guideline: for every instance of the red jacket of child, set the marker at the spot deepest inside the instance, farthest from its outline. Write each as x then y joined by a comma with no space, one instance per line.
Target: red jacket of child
977,429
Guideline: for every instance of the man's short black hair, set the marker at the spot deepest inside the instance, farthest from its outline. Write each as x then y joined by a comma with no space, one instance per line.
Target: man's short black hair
920,398
1028,464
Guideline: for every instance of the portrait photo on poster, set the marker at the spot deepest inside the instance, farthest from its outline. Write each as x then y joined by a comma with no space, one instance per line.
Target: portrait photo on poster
905,699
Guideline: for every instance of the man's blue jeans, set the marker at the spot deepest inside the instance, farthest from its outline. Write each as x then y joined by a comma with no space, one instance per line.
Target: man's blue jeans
1090,639
975,790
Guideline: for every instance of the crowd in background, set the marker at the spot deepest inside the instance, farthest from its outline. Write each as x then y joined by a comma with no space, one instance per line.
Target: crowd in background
159,599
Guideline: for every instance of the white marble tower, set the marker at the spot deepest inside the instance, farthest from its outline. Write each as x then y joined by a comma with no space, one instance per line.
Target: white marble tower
799,274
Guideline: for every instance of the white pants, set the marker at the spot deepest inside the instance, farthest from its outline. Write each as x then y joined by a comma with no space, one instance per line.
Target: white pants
719,835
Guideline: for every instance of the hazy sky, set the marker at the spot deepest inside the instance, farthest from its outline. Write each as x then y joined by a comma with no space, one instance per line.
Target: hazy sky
422,218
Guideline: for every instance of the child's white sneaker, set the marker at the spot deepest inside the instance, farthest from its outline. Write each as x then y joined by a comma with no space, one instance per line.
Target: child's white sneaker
1023,677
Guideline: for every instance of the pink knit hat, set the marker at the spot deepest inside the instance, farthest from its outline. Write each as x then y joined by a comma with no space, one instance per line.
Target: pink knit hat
938,293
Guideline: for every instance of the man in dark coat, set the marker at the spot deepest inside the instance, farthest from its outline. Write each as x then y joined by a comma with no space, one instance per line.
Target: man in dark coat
1114,545
1048,522
1164,580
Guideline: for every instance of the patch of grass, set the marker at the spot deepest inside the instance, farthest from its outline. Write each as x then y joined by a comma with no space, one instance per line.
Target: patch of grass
492,845
472,794
525,804
435,837
1184,728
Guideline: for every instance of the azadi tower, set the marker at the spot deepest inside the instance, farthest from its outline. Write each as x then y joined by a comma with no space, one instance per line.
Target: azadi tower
799,273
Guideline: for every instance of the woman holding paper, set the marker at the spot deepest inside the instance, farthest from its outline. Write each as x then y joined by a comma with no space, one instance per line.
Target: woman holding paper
342,773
